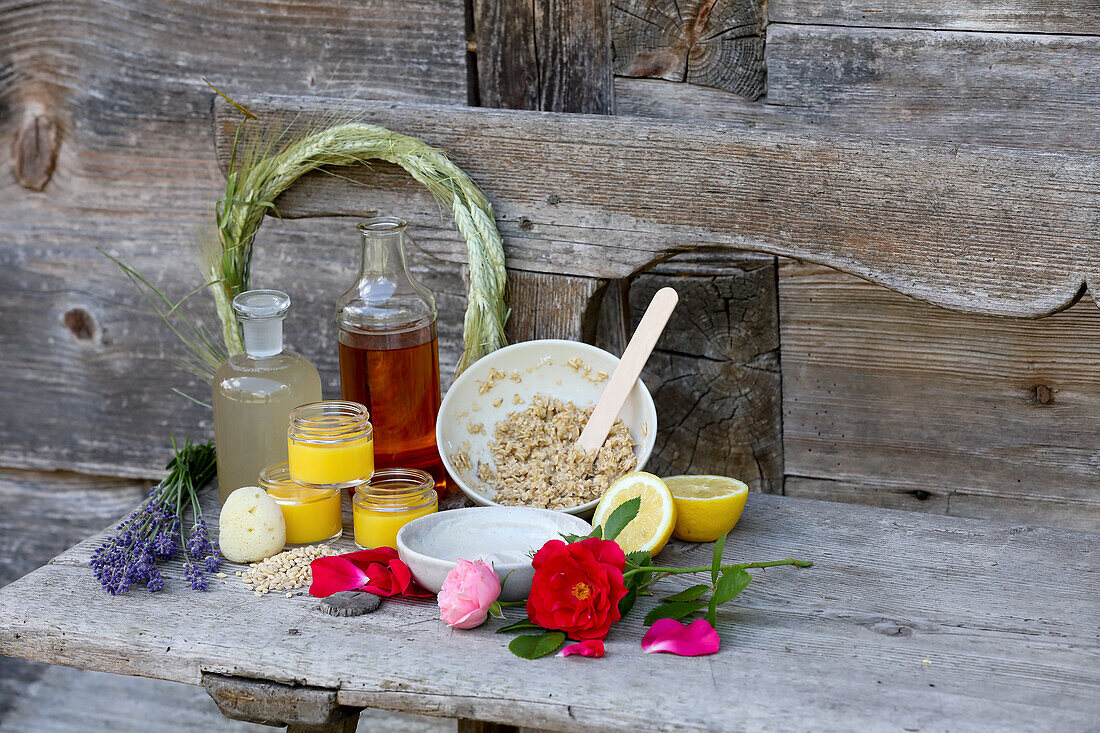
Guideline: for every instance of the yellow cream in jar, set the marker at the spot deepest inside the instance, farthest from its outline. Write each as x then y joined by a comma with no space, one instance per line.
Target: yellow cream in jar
312,514
330,443
390,500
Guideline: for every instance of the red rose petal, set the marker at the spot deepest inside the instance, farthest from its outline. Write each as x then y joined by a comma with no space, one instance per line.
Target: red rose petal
669,635
380,581
592,648
366,557
334,574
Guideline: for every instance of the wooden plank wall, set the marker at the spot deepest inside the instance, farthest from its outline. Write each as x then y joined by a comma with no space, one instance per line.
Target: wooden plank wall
86,384
108,124
886,400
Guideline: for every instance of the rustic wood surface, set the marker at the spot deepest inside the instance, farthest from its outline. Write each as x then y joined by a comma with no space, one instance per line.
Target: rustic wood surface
87,369
1015,89
906,620
962,227
715,373
895,402
552,55
700,42
1035,16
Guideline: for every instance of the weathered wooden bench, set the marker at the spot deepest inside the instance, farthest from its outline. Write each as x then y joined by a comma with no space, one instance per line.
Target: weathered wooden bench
906,620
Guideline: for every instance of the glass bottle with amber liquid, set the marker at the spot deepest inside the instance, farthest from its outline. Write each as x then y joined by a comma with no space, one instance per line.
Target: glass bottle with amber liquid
389,355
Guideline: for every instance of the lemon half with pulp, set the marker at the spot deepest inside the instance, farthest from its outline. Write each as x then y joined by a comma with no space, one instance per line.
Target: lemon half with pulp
656,518
707,507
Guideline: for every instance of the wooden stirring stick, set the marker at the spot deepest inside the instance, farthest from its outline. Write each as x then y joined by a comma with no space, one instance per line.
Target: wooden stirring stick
626,373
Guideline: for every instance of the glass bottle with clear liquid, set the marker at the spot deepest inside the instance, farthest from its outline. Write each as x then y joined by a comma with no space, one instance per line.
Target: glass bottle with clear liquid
254,392
389,354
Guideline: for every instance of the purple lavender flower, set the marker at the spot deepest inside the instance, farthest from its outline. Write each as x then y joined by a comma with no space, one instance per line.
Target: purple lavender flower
156,582
152,533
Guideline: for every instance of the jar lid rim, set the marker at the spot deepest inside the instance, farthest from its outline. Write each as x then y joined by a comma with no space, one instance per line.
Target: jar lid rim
329,421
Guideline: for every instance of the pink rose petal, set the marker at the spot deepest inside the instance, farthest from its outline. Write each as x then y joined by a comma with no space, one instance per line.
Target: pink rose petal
590,648
467,593
334,574
669,635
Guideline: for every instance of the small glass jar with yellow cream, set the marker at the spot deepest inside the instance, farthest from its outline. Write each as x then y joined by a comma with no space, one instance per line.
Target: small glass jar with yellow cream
331,443
390,500
311,513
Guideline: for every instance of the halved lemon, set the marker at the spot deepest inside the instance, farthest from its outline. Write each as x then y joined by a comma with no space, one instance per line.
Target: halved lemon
656,518
707,507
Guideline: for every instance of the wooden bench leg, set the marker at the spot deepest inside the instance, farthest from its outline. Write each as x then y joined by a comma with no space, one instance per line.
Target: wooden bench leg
301,708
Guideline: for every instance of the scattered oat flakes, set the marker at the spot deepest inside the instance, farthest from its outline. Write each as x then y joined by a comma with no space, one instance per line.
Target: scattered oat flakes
498,401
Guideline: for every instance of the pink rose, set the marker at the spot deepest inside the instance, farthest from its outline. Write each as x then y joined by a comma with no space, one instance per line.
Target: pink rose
468,593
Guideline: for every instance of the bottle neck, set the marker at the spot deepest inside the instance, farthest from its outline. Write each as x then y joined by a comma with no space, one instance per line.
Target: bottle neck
383,256
263,337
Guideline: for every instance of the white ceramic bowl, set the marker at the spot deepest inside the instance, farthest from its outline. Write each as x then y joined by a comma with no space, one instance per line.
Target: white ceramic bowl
543,368
503,536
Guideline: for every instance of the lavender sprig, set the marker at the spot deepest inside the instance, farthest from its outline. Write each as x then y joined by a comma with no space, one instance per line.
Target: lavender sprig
153,533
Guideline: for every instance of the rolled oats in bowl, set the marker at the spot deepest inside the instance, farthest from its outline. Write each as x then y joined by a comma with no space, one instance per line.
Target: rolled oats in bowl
508,426
536,462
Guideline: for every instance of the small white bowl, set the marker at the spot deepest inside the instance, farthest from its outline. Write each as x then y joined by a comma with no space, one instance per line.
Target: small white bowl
543,368
505,537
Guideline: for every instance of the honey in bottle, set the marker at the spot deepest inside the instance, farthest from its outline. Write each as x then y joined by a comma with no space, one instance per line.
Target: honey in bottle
389,355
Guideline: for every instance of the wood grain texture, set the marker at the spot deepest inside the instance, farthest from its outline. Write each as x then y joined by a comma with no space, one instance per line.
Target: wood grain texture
703,42
552,55
715,373
89,375
906,620
895,403
963,227
276,703
1002,88
1078,17
545,306
41,514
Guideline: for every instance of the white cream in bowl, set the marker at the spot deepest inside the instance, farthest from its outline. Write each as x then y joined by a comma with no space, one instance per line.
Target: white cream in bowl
504,537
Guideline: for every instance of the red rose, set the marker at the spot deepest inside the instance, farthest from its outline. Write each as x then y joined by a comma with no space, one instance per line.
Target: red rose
577,587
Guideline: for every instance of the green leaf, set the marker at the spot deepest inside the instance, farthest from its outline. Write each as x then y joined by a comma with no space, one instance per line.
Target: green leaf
627,602
623,515
522,625
674,610
638,559
717,563
688,594
571,538
732,582
531,646
495,610
596,532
